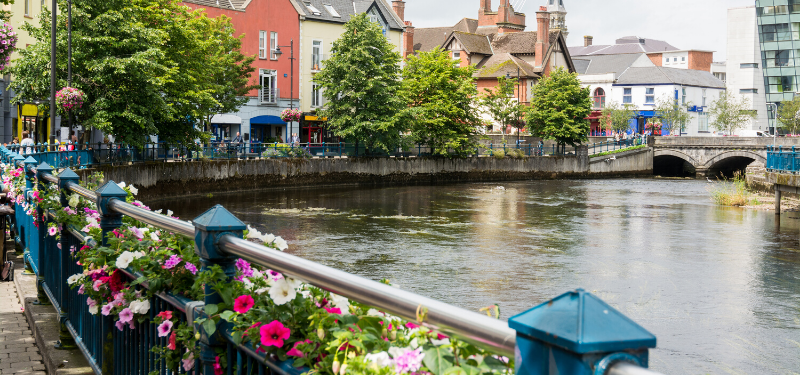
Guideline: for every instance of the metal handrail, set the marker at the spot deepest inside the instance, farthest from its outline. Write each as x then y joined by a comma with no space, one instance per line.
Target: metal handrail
625,368
478,329
163,221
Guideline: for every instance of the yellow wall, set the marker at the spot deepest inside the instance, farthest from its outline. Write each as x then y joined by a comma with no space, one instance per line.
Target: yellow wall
327,32
18,18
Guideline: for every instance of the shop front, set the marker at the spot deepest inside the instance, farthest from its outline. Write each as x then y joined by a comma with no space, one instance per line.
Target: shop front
314,130
36,123
225,127
268,129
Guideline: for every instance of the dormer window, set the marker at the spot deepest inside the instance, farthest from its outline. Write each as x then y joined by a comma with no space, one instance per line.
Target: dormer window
313,9
332,11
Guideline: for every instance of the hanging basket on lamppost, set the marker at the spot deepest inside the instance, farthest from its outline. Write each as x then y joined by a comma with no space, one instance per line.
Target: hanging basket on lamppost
69,99
291,115
8,43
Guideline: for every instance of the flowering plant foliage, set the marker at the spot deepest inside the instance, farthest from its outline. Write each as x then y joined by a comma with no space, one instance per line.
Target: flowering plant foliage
275,314
69,99
291,115
8,43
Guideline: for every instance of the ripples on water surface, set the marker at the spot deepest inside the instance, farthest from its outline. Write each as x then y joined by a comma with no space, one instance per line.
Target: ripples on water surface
719,287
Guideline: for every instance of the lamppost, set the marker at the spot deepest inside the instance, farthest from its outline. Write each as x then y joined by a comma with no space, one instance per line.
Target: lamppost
772,121
54,17
278,53
508,76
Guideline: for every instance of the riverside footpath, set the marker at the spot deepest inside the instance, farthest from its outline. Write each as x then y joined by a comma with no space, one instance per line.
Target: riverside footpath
18,351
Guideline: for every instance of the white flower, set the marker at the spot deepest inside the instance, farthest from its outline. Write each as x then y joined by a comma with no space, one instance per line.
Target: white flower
154,236
261,291
373,312
169,213
121,185
294,283
395,351
124,259
248,284
74,278
268,238
440,342
94,309
158,211
134,190
74,200
138,254
281,292
340,302
414,343
381,359
140,306
253,233
257,275
281,244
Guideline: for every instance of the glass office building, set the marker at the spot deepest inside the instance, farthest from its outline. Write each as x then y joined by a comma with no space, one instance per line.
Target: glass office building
779,38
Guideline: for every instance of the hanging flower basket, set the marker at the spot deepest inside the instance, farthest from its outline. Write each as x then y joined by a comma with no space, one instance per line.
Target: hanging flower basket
70,99
291,115
8,43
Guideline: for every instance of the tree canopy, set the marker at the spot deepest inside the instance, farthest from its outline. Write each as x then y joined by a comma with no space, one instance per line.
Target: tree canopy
361,83
147,67
501,105
789,115
439,94
673,115
730,113
559,109
619,116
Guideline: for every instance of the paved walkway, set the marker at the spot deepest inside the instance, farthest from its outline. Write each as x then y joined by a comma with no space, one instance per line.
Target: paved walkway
18,351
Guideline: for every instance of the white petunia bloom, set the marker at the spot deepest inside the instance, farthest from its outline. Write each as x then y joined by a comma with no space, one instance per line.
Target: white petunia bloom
281,244
373,312
440,342
74,200
74,278
158,211
257,274
294,283
395,351
261,291
281,292
253,233
268,238
124,259
140,306
121,185
94,309
169,213
134,190
154,236
248,284
340,302
381,359
138,254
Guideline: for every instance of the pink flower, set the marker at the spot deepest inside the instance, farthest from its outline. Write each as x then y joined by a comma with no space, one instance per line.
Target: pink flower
166,315
52,231
90,302
171,345
296,352
218,368
333,310
188,363
172,262
243,304
410,325
164,328
106,310
81,290
96,286
126,315
120,325
191,267
409,361
274,333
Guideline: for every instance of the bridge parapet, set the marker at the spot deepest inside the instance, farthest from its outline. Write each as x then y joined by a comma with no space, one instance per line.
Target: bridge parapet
750,142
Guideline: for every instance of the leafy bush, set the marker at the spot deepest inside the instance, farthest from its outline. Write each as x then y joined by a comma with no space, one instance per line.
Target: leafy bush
732,192
516,154
499,154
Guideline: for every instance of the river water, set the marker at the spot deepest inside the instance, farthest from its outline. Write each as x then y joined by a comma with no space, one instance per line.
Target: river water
719,287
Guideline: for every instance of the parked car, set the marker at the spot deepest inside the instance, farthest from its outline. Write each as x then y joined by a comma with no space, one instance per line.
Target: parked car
753,133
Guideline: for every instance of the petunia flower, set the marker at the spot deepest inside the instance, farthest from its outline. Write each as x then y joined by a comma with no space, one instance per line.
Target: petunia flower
126,315
243,304
281,292
164,328
274,333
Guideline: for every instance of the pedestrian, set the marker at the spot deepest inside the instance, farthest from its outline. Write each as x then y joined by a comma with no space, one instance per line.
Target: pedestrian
237,142
295,140
27,142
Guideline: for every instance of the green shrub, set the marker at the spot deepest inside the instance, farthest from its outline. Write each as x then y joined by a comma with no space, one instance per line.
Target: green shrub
732,192
499,154
516,154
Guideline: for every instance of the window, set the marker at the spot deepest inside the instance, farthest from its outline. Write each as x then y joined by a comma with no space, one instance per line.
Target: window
273,45
748,91
599,98
262,44
627,95
313,9
780,84
773,59
683,59
456,55
650,95
675,60
316,55
269,86
332,11
704,97
683,95
773,10
748,65
316,95
702,122
775,33
28,8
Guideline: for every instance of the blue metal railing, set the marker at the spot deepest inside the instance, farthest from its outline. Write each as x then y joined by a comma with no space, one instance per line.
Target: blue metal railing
780,160
596,148
113,351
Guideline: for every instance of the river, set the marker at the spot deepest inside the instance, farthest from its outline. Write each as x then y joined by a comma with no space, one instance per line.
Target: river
719,287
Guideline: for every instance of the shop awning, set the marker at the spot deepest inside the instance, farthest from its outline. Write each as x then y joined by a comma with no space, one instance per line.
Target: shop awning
267,120
226,119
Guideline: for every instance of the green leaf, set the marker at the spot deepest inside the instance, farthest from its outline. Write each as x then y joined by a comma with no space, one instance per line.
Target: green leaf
227,315
455,371
237,337
227,294
210,327
299,362
211,309
471,370
492,363
438,359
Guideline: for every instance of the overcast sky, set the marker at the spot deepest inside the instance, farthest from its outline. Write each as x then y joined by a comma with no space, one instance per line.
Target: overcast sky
686,24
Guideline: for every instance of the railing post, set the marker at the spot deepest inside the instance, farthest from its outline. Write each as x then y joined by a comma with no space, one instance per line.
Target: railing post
109,220
209,228
66,341
579,334
29,176
41,232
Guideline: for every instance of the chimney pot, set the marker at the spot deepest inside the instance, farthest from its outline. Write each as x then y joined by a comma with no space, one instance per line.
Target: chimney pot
587,40
399,7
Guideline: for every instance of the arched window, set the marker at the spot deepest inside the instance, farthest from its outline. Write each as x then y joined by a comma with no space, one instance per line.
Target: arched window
599,98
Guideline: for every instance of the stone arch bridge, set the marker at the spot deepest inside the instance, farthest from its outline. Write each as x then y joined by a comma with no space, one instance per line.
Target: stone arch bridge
710,156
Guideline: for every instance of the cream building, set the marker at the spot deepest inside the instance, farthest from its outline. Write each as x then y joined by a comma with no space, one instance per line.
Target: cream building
321,23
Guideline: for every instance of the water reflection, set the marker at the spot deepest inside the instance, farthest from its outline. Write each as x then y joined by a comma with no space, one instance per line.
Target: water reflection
718,286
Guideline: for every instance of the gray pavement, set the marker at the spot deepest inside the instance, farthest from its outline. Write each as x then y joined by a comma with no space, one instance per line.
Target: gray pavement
18,351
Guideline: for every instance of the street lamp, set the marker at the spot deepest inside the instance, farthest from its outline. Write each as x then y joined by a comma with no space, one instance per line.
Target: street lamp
278,53
54,16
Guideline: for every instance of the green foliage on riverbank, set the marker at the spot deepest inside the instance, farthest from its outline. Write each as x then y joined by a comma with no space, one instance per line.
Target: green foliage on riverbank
617,151
733,192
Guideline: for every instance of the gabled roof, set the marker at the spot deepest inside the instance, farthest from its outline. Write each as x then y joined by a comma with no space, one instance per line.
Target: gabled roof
467,25
661,75
628,44
346,9
222,4
472,43
501,63
520,43
427,39
602,64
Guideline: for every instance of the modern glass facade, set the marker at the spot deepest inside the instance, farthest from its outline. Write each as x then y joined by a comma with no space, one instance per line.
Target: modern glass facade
779,37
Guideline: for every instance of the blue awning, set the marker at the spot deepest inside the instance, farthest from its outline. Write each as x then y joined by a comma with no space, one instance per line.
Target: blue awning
267,120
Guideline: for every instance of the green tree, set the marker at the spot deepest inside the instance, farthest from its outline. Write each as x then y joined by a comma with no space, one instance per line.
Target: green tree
673,115
789,115
559,109
5,15
361,82
147,67
619,116
730,113
499,103
439,94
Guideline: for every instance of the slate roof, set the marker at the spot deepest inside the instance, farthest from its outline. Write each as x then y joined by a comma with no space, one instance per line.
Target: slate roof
661,75
519,43
602,64
628,44
346,9
501,63
474,43
427,39
222,4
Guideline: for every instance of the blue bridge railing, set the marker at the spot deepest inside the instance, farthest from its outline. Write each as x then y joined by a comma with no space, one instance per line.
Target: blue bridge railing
596,148
783,160
575,332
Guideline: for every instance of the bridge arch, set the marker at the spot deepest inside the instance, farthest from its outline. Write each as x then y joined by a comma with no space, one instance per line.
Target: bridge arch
735,154
729,162
673,163
678,154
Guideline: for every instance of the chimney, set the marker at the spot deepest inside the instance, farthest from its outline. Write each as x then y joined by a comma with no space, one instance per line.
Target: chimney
542,36
587,40
408,40
399,7
486,6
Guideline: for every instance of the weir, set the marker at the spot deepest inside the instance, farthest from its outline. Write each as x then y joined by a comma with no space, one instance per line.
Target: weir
574,333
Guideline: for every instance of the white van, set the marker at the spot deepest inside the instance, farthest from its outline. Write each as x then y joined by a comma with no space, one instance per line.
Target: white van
752,133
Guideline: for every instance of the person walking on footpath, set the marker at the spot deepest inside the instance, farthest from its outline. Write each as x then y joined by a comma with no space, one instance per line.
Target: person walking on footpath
27,143
295,139
237,142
